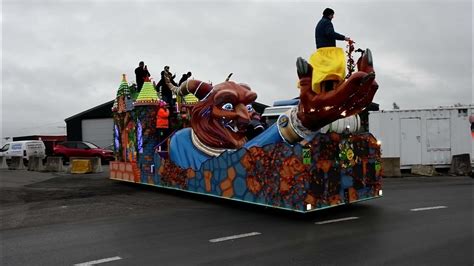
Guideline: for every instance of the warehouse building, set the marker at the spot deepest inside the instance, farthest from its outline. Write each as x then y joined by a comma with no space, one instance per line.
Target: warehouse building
94,125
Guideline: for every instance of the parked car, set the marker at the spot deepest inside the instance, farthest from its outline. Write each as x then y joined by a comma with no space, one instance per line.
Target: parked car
68,149
24,148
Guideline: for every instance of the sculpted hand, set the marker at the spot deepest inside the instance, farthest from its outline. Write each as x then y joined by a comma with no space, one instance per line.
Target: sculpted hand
349,98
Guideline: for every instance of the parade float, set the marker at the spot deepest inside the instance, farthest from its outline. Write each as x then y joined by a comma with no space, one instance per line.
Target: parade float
300,163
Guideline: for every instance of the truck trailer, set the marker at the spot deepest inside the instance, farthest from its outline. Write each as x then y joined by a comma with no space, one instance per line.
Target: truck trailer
424,136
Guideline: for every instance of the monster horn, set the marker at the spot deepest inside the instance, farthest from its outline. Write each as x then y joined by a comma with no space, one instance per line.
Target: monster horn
198,88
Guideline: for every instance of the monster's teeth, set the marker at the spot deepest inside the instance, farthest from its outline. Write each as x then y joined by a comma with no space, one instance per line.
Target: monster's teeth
233,128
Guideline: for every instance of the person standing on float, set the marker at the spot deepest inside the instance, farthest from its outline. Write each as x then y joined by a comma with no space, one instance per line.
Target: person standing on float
328,61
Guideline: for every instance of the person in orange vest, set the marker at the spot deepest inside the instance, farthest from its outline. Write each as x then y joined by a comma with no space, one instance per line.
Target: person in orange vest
162,116
162,123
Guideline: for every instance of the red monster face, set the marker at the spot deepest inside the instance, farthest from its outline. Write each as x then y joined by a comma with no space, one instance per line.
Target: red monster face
220,120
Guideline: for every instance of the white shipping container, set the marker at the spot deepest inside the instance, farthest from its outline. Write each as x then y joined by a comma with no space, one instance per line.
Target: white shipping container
424,136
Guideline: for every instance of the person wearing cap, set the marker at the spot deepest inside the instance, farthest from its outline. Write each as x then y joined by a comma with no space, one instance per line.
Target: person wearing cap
329,63
324,32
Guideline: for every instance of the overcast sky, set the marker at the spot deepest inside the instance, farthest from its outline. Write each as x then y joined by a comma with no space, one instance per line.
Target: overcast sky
60,58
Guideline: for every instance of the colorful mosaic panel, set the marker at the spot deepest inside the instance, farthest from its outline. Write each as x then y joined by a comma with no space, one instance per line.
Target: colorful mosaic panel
149,139
343,169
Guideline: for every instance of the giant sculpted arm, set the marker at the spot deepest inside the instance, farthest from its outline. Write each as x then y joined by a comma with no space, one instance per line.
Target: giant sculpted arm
317,110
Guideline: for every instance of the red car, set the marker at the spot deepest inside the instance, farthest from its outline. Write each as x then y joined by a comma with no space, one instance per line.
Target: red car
69,149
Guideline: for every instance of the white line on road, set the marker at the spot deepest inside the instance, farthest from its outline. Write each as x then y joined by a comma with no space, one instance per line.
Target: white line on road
98,261
234,237
428,208
337,220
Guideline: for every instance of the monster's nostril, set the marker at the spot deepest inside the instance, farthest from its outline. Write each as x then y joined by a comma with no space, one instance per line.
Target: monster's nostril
243,122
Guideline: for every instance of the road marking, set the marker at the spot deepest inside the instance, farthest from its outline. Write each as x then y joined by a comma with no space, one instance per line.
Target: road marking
215,240
94,262
428,208
337,220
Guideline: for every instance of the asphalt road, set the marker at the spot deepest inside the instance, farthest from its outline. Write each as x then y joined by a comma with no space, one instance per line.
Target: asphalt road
60,219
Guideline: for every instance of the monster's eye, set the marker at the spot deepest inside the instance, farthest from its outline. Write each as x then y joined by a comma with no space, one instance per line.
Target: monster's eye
228,106
249,108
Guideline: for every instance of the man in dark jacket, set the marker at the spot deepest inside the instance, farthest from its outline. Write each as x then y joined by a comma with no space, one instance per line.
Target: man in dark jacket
140,73
326,37
324,32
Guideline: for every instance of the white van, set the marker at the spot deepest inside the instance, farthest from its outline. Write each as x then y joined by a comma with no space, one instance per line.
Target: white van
24,148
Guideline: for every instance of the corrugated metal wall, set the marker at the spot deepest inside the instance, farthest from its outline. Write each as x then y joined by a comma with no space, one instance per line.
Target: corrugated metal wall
98,131
428,136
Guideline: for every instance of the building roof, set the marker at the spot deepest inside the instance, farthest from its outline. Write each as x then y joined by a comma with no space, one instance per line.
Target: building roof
107,105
